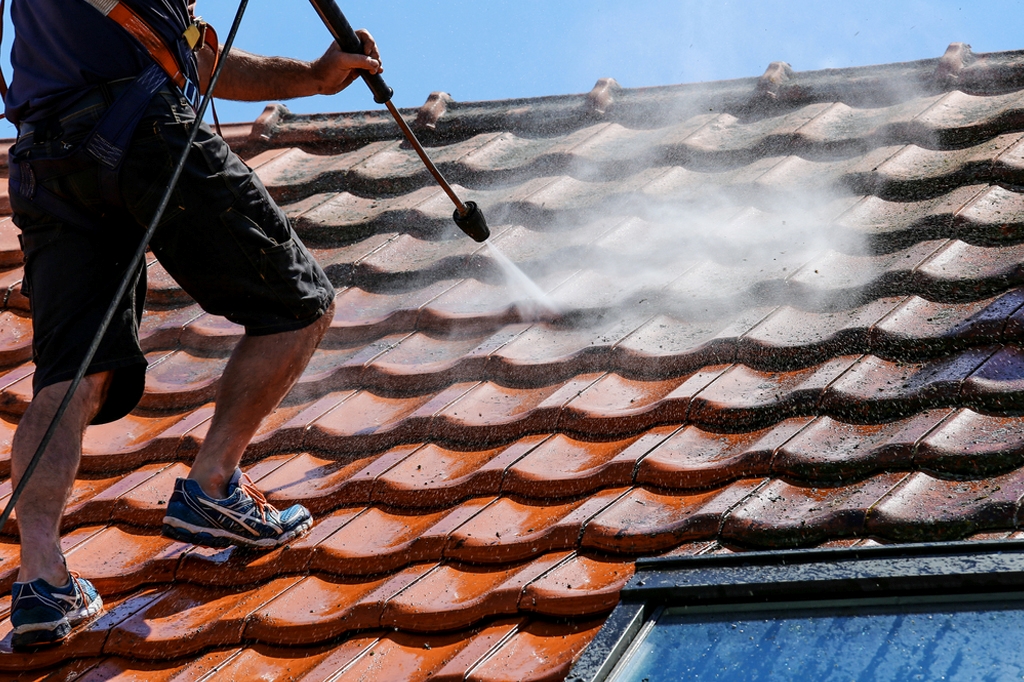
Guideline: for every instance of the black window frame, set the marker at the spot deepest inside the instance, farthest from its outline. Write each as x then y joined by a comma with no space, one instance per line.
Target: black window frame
788,578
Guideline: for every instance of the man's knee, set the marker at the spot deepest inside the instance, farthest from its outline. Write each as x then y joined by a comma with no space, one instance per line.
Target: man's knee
88,399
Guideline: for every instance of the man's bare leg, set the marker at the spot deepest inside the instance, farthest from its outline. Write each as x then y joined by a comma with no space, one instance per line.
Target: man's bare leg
41,505
261,371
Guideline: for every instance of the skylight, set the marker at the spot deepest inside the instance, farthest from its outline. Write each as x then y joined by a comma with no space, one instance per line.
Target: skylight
939,612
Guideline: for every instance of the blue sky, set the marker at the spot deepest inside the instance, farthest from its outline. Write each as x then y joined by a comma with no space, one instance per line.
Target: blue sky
496,49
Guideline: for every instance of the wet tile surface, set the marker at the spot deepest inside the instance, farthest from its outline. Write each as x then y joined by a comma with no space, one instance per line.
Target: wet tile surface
791,325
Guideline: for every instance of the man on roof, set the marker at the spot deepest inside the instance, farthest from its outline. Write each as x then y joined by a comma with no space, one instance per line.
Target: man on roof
83,192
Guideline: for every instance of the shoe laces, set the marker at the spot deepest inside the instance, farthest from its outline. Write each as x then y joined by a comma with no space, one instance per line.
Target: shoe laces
75,578
260,500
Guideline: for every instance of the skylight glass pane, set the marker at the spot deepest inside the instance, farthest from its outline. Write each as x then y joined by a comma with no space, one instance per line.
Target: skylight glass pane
950,643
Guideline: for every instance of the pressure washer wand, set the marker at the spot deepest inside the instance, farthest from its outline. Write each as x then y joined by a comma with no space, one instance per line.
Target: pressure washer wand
468,215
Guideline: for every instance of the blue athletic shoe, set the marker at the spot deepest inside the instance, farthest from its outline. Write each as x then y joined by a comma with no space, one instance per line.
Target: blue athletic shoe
43,614
243,518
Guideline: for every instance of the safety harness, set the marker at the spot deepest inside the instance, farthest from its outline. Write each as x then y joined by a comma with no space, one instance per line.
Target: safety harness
105,145
197,34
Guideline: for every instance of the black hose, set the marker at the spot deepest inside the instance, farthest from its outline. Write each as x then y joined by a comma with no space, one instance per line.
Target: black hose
136,261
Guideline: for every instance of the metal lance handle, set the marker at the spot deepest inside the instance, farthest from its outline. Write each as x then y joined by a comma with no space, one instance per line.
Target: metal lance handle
467,216
348,41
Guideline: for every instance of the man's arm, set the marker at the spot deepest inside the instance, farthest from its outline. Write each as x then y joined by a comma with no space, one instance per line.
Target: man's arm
255,78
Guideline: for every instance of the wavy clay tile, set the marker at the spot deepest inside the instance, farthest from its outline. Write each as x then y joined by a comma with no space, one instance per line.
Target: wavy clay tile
782,312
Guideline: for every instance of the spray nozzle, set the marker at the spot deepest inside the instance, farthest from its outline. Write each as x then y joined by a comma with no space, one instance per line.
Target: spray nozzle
472,222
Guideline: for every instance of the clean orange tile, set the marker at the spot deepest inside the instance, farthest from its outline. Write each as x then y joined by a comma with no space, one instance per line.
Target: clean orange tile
491,413
451,597
378,541
694,458
434,476
618,406
402,656
187,619
16,395
131,440
80,508
578,587
190,432
161,329
288,436
262,662
6,435
563,466
314,610
362,315
68,541
478,645
211,334
86,641
118,669
146,503
15,338
509,530
541,651
366,422
180,380
342,657
319,484
233,566
118,562
10,558
101,504
420,363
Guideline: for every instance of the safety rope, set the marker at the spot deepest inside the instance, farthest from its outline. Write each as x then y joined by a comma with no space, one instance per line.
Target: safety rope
3,81
136,261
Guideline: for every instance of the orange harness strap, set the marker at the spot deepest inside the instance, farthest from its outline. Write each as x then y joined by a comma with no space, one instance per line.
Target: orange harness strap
156,47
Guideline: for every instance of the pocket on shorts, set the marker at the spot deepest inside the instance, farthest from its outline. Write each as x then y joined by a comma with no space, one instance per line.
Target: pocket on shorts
147,169
222,163
34,239
287,272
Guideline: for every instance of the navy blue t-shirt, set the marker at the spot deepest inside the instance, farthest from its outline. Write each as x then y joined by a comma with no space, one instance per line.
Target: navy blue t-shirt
64,47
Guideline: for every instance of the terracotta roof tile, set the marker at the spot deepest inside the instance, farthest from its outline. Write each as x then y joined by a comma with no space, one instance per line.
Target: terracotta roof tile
781,514
118,562
645,522
479,646
562,466
455,596
508,530
828,450
924,507
579,585
971,444
696,459
375,541
433,476
539,651
313,610
484,472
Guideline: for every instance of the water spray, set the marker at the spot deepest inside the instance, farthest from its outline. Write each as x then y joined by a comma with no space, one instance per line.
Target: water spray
467,215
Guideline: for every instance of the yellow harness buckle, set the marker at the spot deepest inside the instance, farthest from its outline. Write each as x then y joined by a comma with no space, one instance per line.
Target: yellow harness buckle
193,35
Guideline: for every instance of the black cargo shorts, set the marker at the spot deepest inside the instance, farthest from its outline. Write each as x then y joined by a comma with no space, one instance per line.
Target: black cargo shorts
222,238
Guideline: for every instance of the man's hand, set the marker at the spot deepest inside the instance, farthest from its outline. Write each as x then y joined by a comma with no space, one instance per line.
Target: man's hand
335,70
254,78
